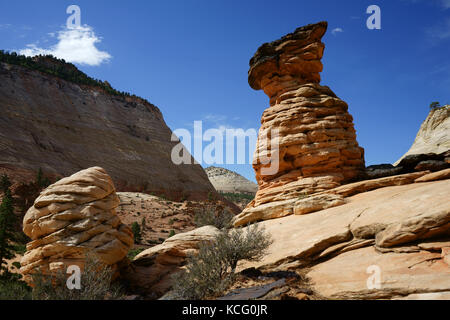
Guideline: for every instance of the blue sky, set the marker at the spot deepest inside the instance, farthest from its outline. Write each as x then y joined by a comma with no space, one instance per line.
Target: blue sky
190,58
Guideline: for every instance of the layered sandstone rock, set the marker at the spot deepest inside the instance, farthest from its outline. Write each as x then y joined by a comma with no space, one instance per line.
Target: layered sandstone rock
401,274
433,135
397,224
403,231
152,269
307,131
74,217
62,127
440,175
327,199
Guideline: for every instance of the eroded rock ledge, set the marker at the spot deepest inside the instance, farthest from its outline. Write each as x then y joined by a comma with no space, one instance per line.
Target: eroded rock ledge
404,230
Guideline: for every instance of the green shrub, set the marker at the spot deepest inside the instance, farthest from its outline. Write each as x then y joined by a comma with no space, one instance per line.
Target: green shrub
4,183
237,196
241,199
435,105
248,244
60,68
13,289
20,248
95,284
171,233
210,216
134,252
205,276
41,181
212,270
7,225
136,228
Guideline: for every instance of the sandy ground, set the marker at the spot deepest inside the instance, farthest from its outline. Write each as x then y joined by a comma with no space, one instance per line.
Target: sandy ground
158,216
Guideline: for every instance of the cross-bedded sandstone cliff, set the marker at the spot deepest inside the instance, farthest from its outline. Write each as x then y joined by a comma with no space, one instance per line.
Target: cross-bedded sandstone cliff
306,124
63,127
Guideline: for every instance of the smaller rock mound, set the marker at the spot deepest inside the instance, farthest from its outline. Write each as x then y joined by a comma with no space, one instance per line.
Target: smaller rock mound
433,135
72,217
228,181
152,269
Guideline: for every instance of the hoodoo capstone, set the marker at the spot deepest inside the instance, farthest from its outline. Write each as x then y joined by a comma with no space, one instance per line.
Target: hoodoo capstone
307,130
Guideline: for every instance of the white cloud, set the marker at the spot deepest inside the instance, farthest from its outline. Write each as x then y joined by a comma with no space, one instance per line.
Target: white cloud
445,4
336,30
76,45
215,118
221,123
441,31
